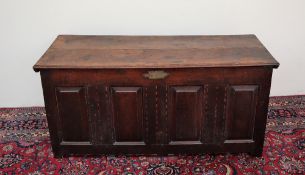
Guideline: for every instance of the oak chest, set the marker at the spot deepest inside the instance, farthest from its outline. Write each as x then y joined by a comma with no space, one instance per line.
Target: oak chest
156,94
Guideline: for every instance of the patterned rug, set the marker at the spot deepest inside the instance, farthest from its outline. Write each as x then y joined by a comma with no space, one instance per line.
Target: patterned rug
25,149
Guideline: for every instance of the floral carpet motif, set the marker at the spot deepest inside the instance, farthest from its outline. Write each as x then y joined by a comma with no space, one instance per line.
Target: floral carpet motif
25,149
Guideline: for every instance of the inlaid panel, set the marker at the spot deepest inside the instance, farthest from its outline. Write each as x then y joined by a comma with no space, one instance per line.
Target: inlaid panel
185,114
214,112
241,109
128,115
74,124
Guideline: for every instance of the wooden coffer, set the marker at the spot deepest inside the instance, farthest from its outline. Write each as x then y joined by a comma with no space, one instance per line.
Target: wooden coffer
156,94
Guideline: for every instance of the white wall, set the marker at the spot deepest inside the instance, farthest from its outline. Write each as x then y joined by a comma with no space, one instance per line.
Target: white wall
27,28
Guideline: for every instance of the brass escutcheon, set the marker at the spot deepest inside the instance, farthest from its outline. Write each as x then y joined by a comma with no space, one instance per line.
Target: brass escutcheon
155,75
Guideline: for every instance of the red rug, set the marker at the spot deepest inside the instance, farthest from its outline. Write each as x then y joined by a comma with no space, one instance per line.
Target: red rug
25,149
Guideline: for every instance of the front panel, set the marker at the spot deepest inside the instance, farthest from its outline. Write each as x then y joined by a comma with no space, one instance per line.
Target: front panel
185,114
187,111
128,115
241,111
73,116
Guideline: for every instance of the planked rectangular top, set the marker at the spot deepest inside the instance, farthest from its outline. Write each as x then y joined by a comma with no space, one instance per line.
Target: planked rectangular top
107,52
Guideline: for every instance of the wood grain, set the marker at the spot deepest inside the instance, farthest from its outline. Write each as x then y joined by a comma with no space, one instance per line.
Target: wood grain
156,94
95,52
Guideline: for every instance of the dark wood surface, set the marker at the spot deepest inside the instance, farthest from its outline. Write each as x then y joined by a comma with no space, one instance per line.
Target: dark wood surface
84,52
156,110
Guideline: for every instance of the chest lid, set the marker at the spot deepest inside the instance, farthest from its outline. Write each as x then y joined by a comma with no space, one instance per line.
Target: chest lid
107,52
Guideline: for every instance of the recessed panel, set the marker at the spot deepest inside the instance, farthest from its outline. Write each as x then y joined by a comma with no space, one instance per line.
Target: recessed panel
185,113
128,114
241,108
72,110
